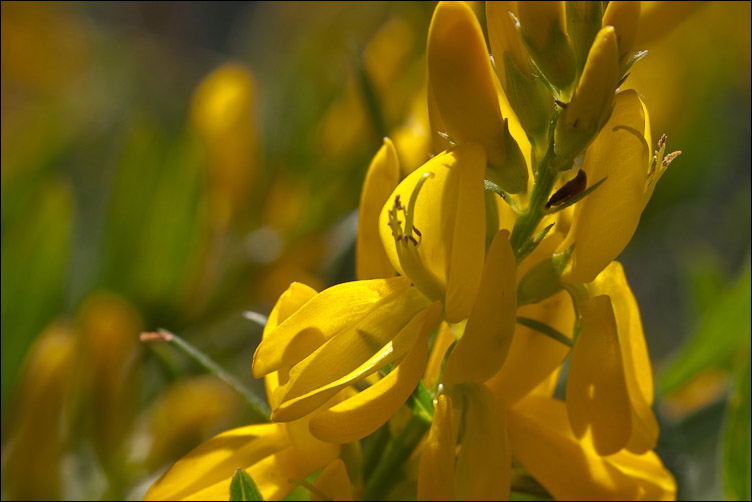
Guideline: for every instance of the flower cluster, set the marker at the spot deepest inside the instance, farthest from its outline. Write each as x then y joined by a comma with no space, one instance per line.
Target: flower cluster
481,273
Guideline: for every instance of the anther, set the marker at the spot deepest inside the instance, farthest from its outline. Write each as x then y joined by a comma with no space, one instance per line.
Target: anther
662,141
670,158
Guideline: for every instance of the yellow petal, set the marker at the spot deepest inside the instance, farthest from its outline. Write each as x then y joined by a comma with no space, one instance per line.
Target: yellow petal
533,356
597,395
331,311
483,348
444,339
333,482
462,83
314,453
274,475
291,300
381,337
382,178
436,468
637,368
36,445
624,16
605,220
451,217
468,239
360,415
206,471
570,469
484,463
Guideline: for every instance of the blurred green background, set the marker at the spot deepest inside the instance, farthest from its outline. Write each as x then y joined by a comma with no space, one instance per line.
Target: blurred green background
173,165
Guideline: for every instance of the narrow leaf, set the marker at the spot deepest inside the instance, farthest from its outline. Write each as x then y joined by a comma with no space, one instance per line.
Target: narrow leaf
242,487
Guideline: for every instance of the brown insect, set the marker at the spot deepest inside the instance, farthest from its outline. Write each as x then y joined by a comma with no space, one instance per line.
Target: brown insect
570,189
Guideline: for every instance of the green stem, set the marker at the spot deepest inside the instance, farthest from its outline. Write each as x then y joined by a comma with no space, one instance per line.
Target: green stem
389,469
528,220
257,405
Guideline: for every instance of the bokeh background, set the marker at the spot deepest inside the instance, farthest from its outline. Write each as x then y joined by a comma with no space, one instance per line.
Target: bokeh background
176,164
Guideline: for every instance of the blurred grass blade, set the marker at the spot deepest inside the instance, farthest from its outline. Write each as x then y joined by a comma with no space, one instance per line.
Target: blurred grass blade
242,487
736,440
716,339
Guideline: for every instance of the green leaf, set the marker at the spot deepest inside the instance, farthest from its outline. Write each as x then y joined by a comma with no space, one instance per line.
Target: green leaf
242,487
715,341
36,246
736,436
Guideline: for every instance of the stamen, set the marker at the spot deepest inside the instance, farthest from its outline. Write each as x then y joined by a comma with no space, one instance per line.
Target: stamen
410,213
662,141
670,158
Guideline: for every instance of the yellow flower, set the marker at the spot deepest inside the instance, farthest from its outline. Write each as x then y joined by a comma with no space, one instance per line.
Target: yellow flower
483,466
610,383
444,259
571,469
223,114
604,222
340,337
272,454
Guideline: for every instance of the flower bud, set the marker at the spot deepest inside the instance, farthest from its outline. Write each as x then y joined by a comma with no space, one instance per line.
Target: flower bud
624,16
543,31
583,24
593,99
526,93
462,83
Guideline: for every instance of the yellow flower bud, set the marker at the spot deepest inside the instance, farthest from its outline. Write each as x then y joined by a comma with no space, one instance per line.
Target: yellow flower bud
583,24
108,328
544,33
32,456
526,93
185,414
505,39
591,104
462,82
436,469
624,16
223,115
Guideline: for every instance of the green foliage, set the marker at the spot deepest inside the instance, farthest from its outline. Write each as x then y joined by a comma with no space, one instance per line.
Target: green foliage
242,487
717,337
736,437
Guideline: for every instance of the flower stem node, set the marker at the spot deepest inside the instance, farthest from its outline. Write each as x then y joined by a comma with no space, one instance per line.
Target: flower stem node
593,99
